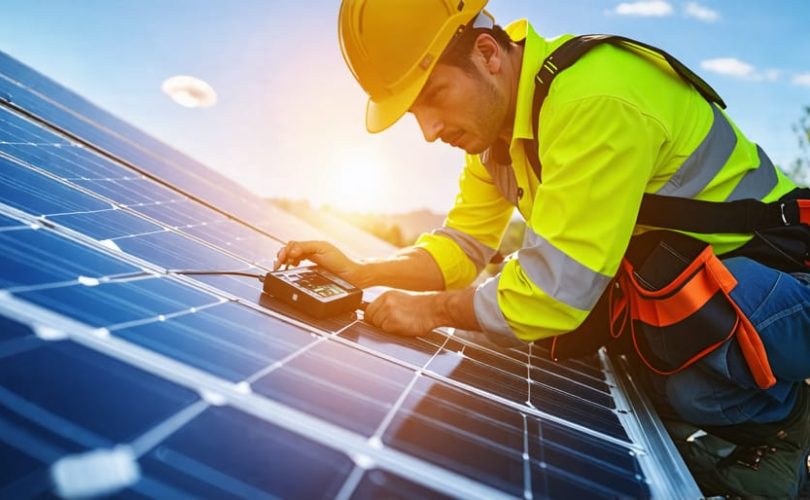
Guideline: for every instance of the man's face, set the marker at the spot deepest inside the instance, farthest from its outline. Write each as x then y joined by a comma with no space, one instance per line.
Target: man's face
464,110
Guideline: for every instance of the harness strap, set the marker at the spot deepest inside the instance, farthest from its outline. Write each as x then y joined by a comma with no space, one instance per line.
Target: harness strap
739,216
568,53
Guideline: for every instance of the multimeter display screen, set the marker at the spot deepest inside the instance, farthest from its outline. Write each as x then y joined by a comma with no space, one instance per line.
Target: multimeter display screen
317,284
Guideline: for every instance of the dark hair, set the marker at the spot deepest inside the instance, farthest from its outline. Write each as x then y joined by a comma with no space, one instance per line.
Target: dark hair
458,52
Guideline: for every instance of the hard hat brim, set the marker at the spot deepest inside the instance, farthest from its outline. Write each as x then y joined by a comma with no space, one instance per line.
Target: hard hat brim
381,114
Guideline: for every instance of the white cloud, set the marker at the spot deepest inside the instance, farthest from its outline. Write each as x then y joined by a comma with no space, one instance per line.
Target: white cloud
736,68
802,79
189,92
705,14
729,66
646,8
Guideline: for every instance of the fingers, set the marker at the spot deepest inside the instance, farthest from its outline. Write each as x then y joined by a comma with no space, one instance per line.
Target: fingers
294,252
376,311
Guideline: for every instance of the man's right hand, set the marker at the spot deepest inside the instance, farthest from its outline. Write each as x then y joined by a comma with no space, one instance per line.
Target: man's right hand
323,254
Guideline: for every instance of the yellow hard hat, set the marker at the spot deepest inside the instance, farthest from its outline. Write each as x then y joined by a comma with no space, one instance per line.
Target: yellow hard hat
391,47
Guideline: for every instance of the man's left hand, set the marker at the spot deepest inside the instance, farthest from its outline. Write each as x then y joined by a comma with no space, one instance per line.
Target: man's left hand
405,313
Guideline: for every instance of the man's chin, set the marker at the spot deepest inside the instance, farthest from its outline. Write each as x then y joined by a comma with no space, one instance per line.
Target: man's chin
473,148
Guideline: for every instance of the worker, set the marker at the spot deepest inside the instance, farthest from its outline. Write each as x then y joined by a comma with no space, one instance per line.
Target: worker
621,123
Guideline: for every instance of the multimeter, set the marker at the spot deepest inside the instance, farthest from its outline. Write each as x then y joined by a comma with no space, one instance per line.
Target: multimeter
314,290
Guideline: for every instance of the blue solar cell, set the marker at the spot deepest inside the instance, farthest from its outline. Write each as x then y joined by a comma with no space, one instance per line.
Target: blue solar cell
224,450
339,384
34,257
408,349
36,194
469,444
106,225
381,484
120,302
17,468
8,222
12,329
175,251
86,396
113,189
230,344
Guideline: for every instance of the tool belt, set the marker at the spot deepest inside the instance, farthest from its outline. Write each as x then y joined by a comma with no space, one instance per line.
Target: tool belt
672,296
670,301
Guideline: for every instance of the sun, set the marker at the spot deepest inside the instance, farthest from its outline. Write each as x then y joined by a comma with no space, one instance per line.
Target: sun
358,181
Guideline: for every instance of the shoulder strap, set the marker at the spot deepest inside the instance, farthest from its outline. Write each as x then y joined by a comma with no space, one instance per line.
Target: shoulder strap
568,53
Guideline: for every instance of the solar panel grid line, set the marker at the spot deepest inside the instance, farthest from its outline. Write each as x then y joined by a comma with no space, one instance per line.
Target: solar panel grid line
237,396
497,398
529,377
62,426
153,437
539,384
162,317
535,412
529,366
378,433
323,337
527,466
11,347
349,487
660,460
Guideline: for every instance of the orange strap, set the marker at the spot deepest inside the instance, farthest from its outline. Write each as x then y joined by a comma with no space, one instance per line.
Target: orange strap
751,345
804,211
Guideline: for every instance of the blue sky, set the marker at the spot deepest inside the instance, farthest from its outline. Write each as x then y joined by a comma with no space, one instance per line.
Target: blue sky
288,121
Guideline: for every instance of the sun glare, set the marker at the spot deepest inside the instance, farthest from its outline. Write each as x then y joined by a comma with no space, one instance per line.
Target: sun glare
357,181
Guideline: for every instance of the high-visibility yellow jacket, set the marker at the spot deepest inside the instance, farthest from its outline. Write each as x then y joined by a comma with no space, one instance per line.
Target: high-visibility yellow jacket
618,123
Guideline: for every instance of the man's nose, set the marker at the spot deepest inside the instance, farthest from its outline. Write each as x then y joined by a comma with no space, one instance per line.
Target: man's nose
431,125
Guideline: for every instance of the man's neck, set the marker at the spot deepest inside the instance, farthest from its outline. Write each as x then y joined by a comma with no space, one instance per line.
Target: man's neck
512,75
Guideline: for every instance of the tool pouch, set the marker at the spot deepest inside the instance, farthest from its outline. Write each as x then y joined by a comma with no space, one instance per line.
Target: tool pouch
672,297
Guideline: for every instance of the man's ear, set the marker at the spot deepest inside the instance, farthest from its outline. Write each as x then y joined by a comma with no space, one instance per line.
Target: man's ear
489,51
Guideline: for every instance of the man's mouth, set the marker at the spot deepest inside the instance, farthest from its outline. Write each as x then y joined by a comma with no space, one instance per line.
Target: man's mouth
454,138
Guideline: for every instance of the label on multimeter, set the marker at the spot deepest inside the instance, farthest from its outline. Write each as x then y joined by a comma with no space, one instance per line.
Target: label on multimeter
313,290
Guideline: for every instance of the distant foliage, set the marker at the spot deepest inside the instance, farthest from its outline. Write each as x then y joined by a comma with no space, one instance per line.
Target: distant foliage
799,170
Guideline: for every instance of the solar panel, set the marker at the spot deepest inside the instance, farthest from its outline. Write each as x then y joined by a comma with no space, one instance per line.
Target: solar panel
120,375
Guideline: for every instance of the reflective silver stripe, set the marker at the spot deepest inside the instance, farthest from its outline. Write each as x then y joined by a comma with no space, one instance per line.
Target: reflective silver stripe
756,183
488,312
705,162
478,253
559,275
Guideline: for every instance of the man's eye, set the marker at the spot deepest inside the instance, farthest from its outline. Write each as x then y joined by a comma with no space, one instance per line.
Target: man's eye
434,94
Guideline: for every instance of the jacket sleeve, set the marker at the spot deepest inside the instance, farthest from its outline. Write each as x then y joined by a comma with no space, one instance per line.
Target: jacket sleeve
473,229
597,153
